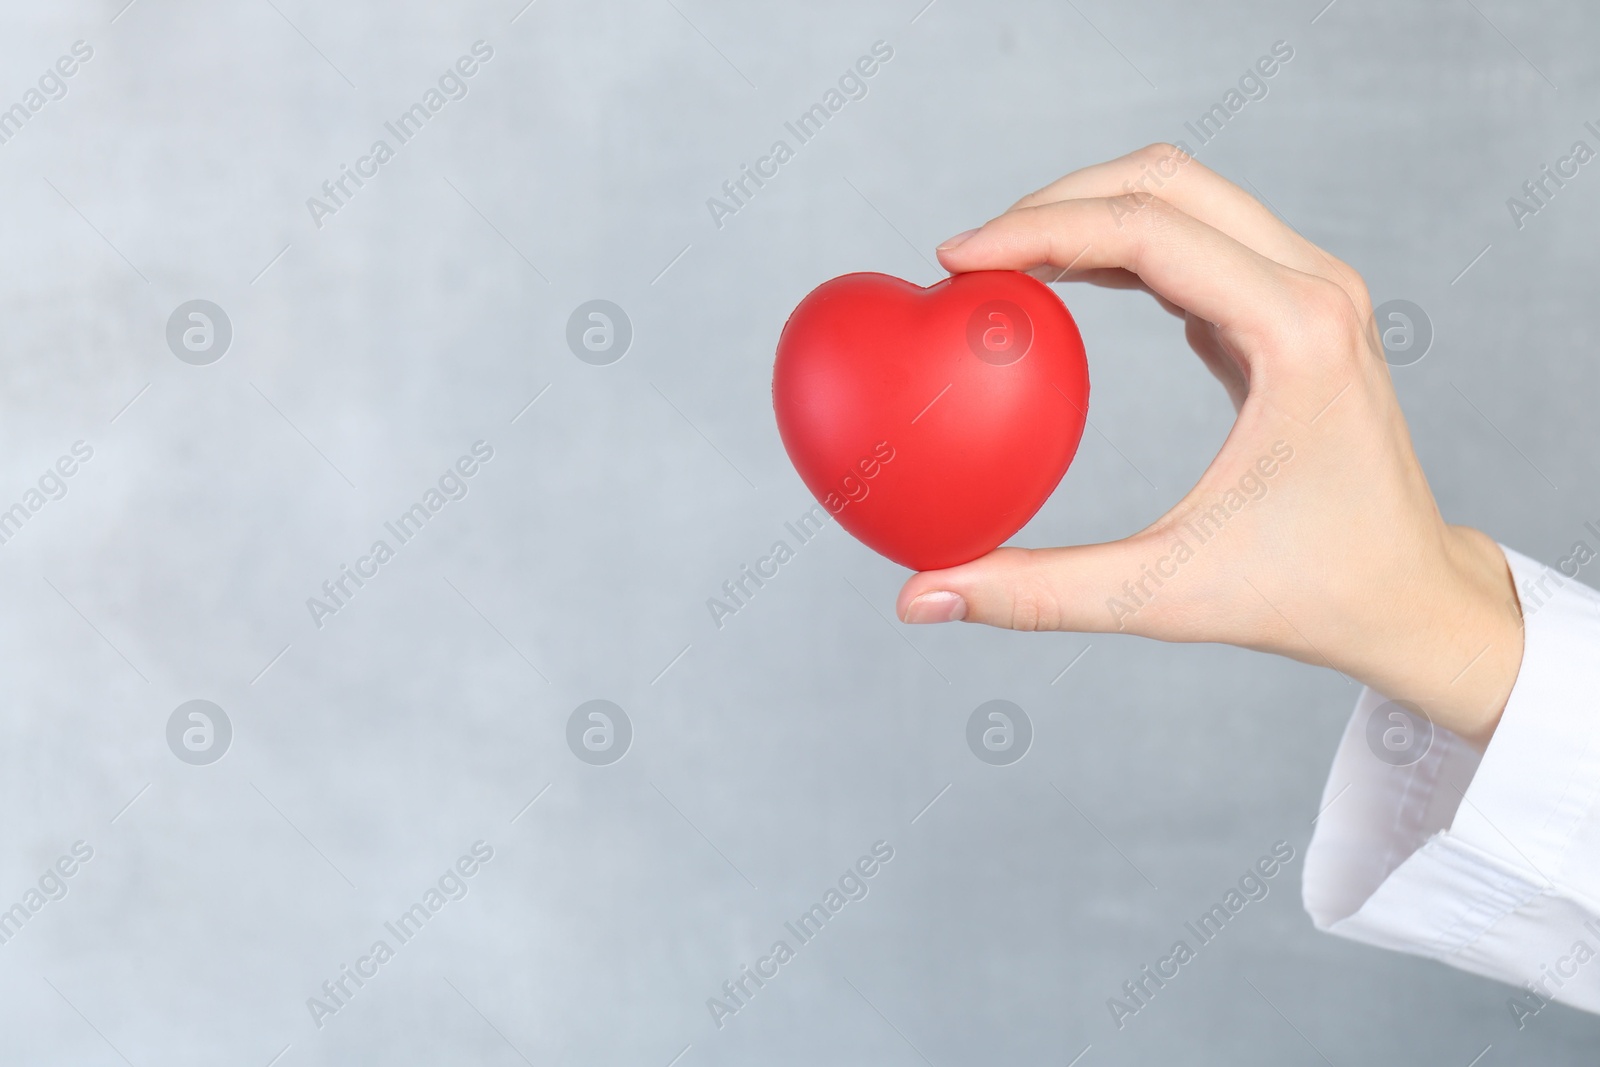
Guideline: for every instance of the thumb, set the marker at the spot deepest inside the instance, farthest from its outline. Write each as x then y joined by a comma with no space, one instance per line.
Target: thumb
1087,588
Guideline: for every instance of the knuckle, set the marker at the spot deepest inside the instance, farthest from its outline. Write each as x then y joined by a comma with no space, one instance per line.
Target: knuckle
1151,220
1152,154
1160,213
1354,285
1360,297
1152,214
1034,604
1034,609
1162,161
1328,322
1160,152
1127,206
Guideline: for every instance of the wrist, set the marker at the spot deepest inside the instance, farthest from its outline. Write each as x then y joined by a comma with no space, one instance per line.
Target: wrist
1478,697
1453,645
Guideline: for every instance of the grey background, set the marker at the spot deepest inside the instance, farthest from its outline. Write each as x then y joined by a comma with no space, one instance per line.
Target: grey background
424,317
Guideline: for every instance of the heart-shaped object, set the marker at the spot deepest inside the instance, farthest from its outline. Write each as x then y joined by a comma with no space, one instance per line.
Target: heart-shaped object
931,422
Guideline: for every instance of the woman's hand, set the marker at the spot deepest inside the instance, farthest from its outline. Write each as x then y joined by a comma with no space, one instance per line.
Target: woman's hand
1313,533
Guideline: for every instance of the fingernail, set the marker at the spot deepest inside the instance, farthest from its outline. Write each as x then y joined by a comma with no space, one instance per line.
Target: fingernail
957,239
937,607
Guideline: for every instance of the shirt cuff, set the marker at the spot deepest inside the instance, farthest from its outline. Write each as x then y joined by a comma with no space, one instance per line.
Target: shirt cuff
1489,863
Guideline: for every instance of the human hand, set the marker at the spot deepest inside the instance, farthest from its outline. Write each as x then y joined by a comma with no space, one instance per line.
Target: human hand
1313,534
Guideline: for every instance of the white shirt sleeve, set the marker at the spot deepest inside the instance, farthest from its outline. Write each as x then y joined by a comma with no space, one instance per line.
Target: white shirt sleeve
1488,863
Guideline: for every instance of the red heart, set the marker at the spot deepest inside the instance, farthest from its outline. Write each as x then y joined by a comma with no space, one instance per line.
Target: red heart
932,423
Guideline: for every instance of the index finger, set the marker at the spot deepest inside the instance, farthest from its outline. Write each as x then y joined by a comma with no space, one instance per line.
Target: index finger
1178,257
1168,172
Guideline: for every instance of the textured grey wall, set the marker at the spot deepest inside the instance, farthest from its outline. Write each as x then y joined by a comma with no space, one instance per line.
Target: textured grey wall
425,313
